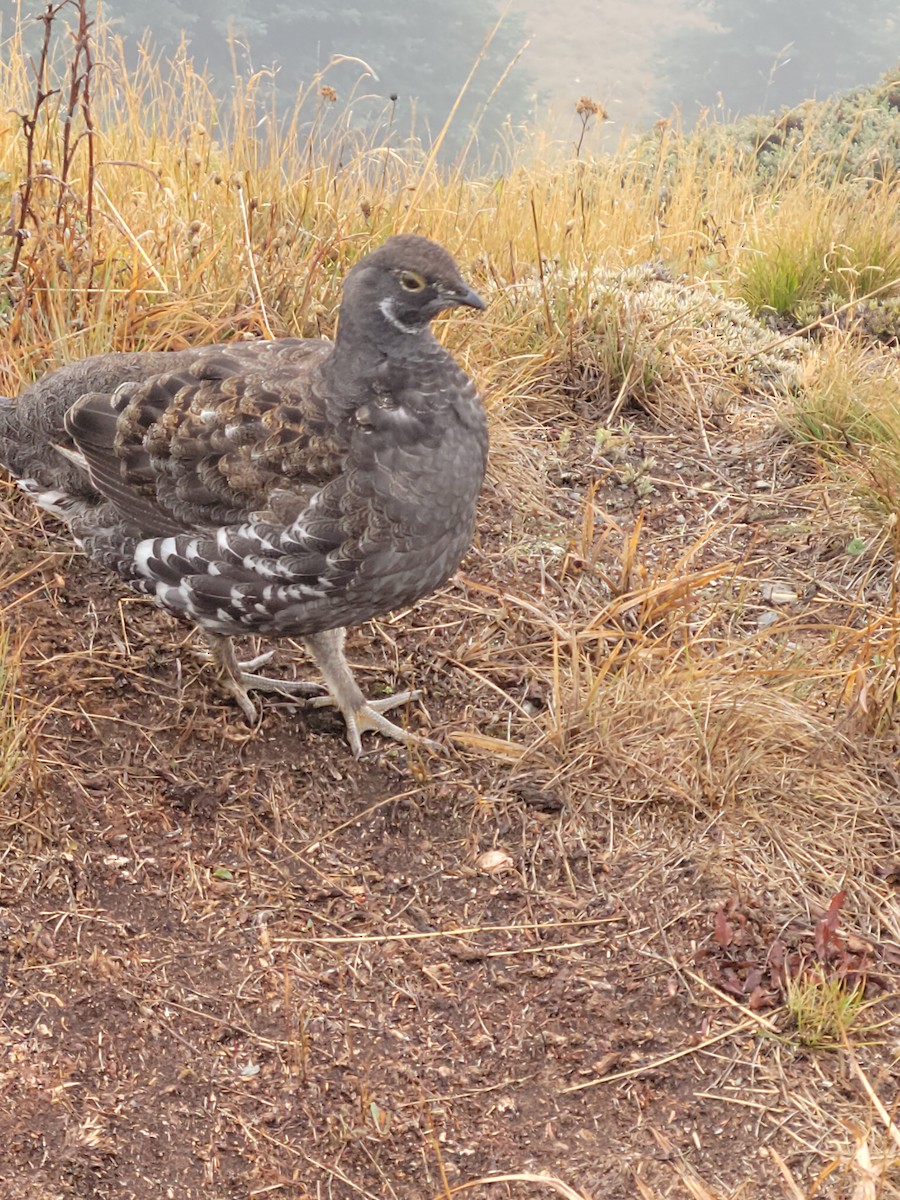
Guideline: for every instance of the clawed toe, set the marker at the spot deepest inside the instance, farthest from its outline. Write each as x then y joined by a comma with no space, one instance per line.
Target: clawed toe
238,678
287,687
238,692
377,706
360,715
251,664
367,718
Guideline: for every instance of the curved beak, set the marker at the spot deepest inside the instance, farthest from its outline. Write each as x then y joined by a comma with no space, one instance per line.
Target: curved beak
467,296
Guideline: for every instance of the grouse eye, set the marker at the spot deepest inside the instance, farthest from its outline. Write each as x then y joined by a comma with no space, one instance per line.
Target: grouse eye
410,281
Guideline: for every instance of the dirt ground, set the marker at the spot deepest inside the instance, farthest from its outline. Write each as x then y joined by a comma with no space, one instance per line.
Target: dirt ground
241,964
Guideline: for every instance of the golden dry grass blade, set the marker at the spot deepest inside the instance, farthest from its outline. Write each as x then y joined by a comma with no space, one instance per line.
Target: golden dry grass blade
890,1126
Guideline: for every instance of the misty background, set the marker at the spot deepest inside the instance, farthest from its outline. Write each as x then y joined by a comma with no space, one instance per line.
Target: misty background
405,61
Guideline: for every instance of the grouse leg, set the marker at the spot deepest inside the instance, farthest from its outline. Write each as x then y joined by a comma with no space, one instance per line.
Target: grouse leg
360,714
237,680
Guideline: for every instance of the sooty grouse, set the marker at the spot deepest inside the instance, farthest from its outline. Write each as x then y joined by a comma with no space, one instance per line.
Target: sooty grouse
290,487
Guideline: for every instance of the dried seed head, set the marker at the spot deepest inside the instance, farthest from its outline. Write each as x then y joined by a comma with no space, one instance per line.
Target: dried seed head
586,107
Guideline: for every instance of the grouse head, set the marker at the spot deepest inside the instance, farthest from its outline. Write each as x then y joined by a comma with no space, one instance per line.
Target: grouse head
398,289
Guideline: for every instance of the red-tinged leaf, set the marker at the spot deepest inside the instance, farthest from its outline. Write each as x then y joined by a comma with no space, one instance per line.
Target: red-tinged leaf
760,998
731,983
827,928
775,963
723,930
753,980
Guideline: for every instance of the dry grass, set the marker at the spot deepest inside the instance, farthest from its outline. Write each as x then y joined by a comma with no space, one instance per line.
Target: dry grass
670,668
848,409
810,245
12,726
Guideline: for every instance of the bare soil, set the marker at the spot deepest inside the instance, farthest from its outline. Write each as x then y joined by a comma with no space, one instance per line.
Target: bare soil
239,963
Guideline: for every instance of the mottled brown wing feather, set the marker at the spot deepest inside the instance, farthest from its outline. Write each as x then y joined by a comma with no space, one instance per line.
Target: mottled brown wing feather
208,444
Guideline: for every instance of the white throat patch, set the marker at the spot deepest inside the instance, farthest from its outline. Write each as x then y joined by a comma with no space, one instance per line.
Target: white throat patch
387,309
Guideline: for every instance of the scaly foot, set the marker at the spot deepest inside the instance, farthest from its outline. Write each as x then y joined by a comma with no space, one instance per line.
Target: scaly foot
367,718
